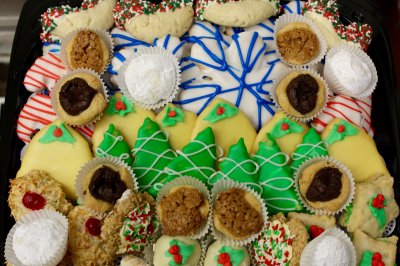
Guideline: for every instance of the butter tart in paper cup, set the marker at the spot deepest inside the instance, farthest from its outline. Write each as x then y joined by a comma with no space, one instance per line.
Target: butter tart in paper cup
79,97
300,93
103,181
38,238
350,71
183,207
332,247
238,213
87,48
298,41
324,185
150,78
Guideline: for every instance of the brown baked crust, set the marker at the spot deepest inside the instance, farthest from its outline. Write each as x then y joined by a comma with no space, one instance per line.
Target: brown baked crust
181,211
236,216
39,182
297,43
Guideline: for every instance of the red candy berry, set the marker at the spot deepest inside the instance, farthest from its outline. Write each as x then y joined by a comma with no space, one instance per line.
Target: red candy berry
171,114
224,258
378,201
285,126
120,106
178,258
377,259
57,132
227,264
33,201
220,110
341,128
174,249
315,231
93,226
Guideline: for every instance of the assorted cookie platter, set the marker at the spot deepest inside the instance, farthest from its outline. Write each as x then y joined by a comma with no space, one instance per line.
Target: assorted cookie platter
201,133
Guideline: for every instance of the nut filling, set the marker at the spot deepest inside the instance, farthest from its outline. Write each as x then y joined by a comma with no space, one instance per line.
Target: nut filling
87,51
180,212
236,214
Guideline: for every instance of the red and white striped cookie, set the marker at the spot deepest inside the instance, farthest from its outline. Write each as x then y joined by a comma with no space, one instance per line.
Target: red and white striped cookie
37,113
352,110
44,73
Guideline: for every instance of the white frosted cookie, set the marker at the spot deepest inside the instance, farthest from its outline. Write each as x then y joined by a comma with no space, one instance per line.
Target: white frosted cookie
147,20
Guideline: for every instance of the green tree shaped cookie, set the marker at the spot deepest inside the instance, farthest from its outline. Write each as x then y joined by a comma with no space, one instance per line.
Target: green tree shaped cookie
238,166
152,154
276,179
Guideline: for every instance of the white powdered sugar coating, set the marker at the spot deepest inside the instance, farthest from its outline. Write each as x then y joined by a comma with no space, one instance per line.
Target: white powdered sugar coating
150,78
351,71
36,242
331,251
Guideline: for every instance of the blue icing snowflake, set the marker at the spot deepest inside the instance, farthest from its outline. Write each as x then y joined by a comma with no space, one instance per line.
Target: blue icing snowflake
238,68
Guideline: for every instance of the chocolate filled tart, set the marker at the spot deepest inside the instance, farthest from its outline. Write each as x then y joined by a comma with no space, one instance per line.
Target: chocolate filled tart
301,94
324,186
183,211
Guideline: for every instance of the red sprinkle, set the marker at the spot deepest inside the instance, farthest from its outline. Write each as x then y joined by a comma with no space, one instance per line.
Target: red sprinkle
57,132
223,258
120,106
33,201
93,226
341,128
220,110
285,126
178,258
172,114
174,249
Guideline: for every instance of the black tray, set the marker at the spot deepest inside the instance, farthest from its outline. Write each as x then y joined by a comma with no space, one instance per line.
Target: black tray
27,47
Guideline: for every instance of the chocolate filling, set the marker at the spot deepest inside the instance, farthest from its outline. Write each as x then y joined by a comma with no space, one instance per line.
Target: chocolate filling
302,92
106,185
76,96
326,185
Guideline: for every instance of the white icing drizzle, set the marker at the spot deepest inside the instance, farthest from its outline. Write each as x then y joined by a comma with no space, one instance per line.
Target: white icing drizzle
319,146
103,153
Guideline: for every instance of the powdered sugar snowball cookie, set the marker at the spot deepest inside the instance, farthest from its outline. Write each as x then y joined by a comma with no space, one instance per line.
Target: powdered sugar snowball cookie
325,14
58,22
355,111
243,13
150,78
232,68
147,20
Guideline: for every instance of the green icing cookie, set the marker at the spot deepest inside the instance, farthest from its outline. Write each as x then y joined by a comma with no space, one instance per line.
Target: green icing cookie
114,145
311,146
197,158
152,154
238,166
276,178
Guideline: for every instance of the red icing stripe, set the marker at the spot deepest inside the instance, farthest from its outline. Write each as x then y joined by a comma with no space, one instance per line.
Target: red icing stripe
345,105
42,84
318,121
40,110
51,63
31,84
57,59
24,126
41,103
23,133
45,73
45,121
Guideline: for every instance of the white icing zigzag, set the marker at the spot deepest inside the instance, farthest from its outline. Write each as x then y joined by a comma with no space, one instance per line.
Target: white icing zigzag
233,68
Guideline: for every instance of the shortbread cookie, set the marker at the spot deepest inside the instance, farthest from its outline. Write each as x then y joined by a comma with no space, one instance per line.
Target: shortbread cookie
323,221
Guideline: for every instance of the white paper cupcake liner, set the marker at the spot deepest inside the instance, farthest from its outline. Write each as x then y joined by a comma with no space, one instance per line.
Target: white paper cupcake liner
205,242
334,162
57,88
286,19
283,75
344,88
308,254
149,51
104,35
192,182
53,259
222,186
94,163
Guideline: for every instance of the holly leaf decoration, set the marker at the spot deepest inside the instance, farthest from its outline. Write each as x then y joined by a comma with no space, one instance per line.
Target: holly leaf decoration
57,133
341,130
284,127
185,251
236,256
172,116
221,111
121,107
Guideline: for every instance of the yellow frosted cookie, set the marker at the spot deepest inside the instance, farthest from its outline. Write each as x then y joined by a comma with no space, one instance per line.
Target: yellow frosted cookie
228,123
60,151
126,117
356,149
178,124
287,133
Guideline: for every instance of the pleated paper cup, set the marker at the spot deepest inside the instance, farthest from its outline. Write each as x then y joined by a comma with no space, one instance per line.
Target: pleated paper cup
52,257
310,257
307,117
331,161
142,98
103,35
69,119
337,85
225,185
188,181
286,19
